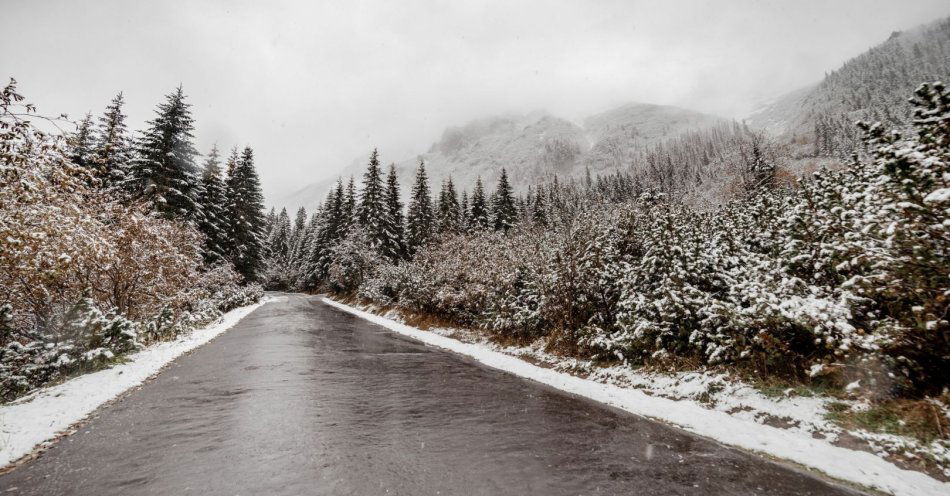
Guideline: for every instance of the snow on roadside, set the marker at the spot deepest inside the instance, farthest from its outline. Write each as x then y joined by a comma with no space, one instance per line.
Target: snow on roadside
796,445
41,416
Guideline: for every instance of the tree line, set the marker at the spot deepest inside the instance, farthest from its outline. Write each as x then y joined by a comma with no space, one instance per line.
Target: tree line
373,222
158,167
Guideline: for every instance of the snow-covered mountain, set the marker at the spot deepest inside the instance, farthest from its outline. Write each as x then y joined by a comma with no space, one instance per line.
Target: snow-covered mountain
533,148
873,86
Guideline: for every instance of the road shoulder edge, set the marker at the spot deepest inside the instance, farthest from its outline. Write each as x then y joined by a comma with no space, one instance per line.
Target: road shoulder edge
859,468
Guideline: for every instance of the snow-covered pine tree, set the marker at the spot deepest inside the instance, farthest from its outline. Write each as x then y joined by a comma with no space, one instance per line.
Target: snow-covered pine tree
395,246
212,200
350,209
298,238
465,222
81,144
449,212
761,170
300,221
164,171
269,222
481,217
504,210
331,228
303,264
278,244
113,152
419,220
277,270
372,212
245,216
538,211
524,202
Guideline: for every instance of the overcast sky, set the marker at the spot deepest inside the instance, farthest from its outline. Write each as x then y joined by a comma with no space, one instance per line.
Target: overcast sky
313,85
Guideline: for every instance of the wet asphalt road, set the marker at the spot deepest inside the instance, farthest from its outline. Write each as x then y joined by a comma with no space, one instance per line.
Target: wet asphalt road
302,398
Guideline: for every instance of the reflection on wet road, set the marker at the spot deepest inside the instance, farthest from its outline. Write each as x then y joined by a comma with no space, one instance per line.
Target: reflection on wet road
301,398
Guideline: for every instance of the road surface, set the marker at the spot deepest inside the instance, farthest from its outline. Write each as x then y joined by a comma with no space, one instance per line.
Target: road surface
302,398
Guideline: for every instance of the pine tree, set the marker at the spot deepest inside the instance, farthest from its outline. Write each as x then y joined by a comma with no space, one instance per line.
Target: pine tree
504,210
538,214
278,272
212,199
761,170
278,243
523,203
164,172
303,263
81,145
269,221
372,212
113,153
464,220
300,221
395,247
449,213
330,229
298,236
349,206
419,221
340,212
479,212
245,217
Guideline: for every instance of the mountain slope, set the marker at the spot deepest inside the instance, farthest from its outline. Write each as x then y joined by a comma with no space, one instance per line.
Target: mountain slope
620,135
534,148
873,86
538,147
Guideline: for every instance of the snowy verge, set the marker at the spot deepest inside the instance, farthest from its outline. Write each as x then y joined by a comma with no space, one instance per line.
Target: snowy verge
859,467
43,415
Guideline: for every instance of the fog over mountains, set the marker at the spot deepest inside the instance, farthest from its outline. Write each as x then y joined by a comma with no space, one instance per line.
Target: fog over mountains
534,148
815,121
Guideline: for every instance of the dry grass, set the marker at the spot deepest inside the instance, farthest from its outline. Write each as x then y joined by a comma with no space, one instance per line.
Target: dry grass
920,419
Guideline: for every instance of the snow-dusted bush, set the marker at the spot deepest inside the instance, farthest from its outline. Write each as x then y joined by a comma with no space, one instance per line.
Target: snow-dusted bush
354,260
566,282
62,239
458,277
704,285
91,329
88,339
24,367
385,284
877,234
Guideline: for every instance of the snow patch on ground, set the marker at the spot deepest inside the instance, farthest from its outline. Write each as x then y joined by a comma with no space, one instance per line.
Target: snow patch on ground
736,418
40,417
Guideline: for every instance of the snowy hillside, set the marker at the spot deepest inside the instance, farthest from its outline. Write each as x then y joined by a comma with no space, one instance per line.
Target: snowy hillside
872,87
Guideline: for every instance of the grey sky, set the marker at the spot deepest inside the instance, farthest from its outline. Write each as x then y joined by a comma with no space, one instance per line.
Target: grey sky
313,85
